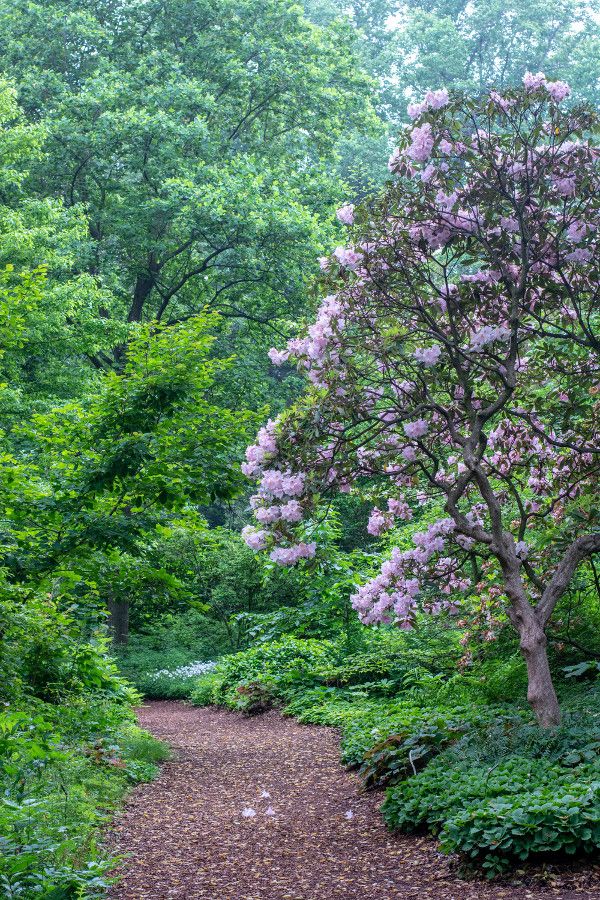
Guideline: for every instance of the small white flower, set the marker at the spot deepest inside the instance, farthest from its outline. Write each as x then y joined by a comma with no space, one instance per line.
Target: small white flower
269,811
248,812
349,814
265,795
189,671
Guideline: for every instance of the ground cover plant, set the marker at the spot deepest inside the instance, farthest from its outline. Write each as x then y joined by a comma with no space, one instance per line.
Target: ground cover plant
69,750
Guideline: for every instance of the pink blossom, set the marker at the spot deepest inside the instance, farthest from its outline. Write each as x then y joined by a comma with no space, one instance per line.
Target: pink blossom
253,538
421,142
266,515
345,214
378,522
565,186
416,429
436,99
400,509
428,356
347,257
414,110
580,255
432,100
278,357
533,82
288,556
521,549
558,90
291,511
428,173
293,485
487,334
577,231
503,102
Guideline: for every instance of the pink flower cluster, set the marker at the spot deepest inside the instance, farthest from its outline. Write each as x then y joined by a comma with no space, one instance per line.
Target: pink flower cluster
432,100
258,453
487,334
428,356
558,90
417,429
348,257
392,595
345,214
422,141
289,556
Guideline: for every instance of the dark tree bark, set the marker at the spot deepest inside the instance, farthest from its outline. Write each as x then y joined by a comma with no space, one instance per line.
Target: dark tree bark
118,621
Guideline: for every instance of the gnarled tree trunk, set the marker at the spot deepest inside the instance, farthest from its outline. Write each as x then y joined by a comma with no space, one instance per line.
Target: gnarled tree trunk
540,689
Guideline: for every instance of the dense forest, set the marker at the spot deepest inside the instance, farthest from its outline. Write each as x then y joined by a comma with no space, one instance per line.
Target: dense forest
299,398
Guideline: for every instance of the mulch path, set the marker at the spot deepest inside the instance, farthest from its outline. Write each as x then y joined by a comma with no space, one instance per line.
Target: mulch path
183,837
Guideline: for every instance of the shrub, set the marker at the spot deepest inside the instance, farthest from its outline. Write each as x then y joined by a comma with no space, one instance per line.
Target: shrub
205,689
401,753
286,665
557,817
506,791
425,802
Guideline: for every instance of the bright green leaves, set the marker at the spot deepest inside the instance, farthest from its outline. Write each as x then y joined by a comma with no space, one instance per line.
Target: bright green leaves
156,438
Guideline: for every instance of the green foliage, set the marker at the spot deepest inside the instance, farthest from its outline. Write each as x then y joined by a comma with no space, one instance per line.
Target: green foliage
160,160
559,817
58,788
68,746
507,790
276,666
205,690
204,155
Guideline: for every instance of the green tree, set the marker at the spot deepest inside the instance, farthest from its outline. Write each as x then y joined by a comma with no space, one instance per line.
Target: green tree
49,313
155,440
202,154
472,46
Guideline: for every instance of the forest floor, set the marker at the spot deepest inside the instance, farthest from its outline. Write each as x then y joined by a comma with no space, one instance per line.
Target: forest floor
183,836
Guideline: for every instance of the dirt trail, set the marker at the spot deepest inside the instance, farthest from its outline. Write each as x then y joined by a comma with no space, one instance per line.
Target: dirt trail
184,836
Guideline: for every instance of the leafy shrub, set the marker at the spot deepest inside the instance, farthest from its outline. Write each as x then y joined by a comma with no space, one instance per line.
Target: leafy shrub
69,748
398,754
286,664
425,801
554,818
254,697
507,790
205,689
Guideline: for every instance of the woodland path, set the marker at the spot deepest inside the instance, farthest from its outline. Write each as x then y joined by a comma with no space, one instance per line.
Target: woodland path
184,838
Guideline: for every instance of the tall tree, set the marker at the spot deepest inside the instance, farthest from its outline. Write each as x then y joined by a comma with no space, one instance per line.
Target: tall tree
197,135
455,363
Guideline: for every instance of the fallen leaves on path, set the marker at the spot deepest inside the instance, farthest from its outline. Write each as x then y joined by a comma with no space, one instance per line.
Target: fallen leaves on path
260,809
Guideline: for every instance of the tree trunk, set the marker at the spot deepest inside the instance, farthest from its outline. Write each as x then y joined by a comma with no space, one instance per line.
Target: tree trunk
540,689
143,288
118,621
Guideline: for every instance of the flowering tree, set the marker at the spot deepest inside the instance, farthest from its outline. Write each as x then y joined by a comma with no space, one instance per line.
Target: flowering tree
454,363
